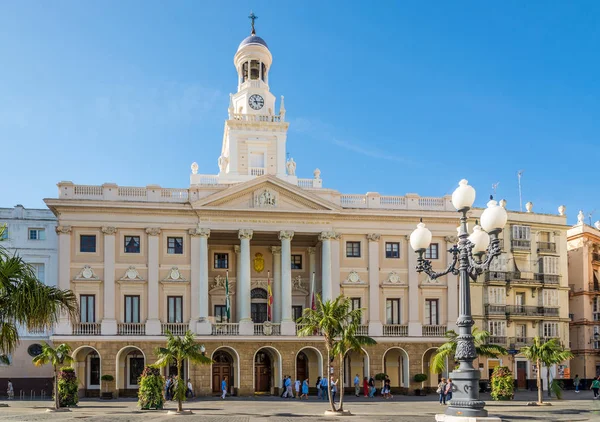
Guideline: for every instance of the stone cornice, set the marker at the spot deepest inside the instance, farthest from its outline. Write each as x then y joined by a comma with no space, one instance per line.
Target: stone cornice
63,230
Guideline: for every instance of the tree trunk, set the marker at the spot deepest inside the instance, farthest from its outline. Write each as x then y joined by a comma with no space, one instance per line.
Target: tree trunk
539,382
331,404
341,384
178,387
56,397
548,381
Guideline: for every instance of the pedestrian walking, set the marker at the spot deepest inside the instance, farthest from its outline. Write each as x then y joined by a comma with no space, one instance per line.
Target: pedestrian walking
304,390
223,388
366,386
190,391
356,385
372,388
288,388
441,390
10,390
283,392
595,387
297,385
576,383
449,387
324,389
168,383
333,388
387,387
318,387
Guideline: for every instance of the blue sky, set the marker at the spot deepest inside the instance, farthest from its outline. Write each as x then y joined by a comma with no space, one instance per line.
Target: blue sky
381,96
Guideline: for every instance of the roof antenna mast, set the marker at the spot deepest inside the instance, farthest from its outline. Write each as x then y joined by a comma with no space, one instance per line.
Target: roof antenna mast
519,174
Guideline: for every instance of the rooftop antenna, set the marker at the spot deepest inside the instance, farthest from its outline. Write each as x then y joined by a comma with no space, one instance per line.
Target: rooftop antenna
495,187
519,174
590,216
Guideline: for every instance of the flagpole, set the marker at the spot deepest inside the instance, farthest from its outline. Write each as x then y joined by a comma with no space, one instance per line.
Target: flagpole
312,292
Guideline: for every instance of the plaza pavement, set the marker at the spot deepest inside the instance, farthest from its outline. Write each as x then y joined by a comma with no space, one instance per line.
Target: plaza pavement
573,408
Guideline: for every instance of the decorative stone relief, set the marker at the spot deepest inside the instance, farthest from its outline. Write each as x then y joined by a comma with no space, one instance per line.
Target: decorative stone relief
267,328
353,277
87,273
311,250
329,235
286,234
393,278
63,229
199,231
291,167
262,284
276,250
237,249
297,283
174,275
373,237
109,230
219,283
265,198
194,167
451,239
153,231
259,262
131,275
245,234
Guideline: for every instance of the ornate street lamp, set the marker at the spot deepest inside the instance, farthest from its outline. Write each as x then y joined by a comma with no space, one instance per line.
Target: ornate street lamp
468,261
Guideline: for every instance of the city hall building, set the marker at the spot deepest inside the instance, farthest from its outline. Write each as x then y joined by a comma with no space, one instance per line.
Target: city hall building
144,260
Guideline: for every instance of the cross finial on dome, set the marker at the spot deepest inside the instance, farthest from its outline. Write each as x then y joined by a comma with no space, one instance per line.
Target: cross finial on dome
252,17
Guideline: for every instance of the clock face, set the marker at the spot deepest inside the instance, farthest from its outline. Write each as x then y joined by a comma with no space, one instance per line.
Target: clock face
256,102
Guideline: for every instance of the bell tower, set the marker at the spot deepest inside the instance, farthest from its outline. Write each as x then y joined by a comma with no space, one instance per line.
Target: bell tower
254,139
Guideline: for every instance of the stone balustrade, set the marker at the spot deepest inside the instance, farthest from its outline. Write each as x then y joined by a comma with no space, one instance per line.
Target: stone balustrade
395,330
267,329
225,329
86,329
131,329
175,328
434,330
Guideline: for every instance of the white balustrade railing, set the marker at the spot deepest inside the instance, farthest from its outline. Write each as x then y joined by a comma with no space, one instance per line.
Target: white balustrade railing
305,183
395,330
88,192
362,330
207,179
174,195
267,329
434,330
392,201
354,201
431,203
86,329
269,118
257,171
128,192
225,329
131,329
176,328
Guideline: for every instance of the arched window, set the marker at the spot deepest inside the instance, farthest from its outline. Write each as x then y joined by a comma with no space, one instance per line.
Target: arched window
254,69
258,294
264,72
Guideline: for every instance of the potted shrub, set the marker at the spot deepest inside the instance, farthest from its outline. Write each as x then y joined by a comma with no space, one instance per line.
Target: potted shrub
380,377
419,378
67,387
502,383
106,379
150,393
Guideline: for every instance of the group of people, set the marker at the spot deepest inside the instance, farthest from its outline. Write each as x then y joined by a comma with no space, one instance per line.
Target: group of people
301,388
595,387
444,389
171,384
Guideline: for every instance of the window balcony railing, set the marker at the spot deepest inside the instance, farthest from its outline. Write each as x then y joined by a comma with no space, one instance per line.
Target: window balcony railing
395,330
86,329
596,256
522,310
267,329
551,312
175,328
434,330
498,340
518,342
521,245
226,329
497,276
553,279
257,171
131,329
594,287
495,309
363,330
546,247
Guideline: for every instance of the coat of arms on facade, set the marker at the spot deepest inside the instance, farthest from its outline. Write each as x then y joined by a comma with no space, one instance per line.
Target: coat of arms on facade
353,277
86,273
131,275
265,198
174,275
393,278
259,262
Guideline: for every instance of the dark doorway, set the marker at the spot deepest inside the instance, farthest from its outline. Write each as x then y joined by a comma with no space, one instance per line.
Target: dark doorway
262,372
521,374
258,307
301,366
222,368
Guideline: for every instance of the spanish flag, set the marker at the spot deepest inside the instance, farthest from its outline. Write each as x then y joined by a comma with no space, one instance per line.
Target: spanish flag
227,300
269,298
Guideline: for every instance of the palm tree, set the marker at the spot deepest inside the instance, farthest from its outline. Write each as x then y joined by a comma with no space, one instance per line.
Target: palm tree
547,353
482,347
55,357
179,349
338,323
27,302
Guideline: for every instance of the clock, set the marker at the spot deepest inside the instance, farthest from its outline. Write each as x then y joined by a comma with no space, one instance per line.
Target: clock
256,102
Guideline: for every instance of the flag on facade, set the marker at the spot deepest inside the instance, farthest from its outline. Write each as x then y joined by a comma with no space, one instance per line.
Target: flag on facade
313,304
269,298
227,302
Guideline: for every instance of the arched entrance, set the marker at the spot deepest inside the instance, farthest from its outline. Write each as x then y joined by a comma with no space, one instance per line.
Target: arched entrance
355,363
301,366
87,364
267,370
395,365
130,365
234,371
258,305
309,364
222,368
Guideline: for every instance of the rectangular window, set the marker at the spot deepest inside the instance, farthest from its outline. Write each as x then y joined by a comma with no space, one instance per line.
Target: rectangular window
132,309
221,261
87,308
297,312
521,332
520,299
549,265
431,311
296,262
544,237
37,234
392,311
550,329
497,328
40,272
352,249
521,233
497,295
221,313
175,309
355,303
392,250
550,297
432,251
175,245
132,244
87,243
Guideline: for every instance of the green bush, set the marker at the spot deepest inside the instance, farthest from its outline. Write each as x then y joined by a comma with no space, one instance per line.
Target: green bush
381,376
557,388
420,378
67,387
107,377
502,383
150,393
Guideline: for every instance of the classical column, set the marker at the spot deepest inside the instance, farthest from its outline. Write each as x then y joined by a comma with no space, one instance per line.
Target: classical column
335,265
375,325
312,269
452,299
64,273
288,326
276,284
415,328
153,325
246,324
238,285
199,284
325,239
109,323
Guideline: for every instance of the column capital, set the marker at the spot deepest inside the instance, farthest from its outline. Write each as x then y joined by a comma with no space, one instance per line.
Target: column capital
311,250
245,234
276,250
329,235
199,231
451,239
286,234
237,249
153,231
373,237
109,230
63,229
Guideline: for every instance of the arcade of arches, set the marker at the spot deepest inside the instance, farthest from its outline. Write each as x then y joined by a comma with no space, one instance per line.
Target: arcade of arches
248,367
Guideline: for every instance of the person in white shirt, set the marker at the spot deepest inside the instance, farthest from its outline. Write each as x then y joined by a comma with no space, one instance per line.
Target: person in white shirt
297,388
190,390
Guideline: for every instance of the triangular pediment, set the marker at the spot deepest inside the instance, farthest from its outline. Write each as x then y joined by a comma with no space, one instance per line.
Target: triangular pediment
266,193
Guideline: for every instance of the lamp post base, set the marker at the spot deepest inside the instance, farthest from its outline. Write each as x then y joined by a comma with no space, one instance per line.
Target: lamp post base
441,417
